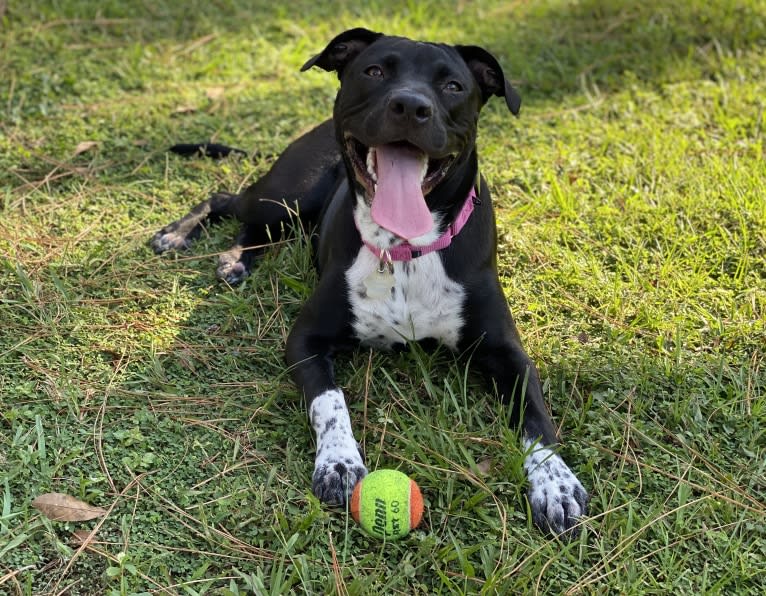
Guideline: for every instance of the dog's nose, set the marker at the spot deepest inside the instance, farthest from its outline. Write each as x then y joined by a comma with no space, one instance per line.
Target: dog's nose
411,106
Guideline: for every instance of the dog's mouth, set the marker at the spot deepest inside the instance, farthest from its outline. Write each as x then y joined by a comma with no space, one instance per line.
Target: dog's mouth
396,178
365,162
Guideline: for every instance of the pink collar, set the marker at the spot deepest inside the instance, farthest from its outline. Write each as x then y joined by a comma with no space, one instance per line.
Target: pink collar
407,252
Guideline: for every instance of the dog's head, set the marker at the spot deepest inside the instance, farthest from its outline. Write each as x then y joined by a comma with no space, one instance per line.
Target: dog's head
406,116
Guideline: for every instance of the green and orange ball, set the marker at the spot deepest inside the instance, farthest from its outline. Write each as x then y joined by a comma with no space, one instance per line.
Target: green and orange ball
387,504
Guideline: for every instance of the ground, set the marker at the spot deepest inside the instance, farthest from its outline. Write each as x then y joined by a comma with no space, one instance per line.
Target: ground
632,232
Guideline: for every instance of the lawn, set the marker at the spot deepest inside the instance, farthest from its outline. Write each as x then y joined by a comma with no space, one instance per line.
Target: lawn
631,204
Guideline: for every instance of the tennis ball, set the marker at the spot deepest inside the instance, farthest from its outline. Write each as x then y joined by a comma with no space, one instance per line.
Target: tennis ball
387,504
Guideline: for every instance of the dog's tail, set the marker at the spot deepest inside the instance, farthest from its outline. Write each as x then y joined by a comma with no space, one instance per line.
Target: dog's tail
212,150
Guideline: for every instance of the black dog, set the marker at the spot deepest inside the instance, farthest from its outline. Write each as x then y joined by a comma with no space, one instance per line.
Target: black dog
406,244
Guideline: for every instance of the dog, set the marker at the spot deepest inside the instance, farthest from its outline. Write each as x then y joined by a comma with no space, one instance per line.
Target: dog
405,249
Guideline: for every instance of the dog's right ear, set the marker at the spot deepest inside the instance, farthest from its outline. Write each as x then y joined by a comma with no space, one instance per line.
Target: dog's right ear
342,50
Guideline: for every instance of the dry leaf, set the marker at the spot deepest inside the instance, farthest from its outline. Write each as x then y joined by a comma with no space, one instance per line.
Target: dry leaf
214,93
84,146
80,537
61,507
185,109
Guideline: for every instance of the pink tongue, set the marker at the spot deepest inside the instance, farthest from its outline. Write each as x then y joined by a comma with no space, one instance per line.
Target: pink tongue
399,205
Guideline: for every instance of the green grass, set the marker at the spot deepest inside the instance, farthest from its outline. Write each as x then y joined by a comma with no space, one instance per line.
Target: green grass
631,200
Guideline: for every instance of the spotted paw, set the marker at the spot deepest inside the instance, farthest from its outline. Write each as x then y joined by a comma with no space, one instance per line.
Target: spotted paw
230,269
334,481
556,497
164,241
339,465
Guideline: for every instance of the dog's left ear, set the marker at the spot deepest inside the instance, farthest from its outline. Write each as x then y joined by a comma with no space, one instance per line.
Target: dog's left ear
342,50
487,72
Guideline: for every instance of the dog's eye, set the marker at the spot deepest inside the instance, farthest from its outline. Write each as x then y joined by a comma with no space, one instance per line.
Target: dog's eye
374,71
453,87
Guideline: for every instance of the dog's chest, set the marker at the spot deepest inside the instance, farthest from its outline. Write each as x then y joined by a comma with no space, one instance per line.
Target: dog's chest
423,302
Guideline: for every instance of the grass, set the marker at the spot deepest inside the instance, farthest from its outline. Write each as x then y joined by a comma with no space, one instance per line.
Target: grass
632,220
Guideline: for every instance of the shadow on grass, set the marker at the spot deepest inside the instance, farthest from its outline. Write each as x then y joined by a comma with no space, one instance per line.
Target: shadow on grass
554,47
550,47
177,51
552,43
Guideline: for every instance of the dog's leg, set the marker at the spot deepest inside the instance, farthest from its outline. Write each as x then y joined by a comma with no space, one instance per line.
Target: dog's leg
556,496
266,221
293,190
179,234
316,335
235,264
338,465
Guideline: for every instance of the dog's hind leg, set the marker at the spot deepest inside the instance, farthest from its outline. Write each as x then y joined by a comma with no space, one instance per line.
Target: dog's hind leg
268,220
292,192
179,234
235,264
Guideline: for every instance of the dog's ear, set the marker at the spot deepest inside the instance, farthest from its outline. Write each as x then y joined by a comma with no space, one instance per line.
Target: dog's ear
342,50
487,72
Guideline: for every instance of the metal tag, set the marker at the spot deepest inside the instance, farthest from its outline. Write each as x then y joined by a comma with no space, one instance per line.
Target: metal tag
380,282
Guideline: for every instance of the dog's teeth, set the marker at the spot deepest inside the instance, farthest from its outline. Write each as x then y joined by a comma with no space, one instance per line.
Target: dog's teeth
371,164
424,168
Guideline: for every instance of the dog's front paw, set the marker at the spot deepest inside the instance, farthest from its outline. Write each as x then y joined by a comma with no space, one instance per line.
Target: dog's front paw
339,465
168,239
556,497
334,481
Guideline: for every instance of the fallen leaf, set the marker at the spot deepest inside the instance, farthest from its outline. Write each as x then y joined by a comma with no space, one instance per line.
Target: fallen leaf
84,146
80,537
61,507
185,109
214,93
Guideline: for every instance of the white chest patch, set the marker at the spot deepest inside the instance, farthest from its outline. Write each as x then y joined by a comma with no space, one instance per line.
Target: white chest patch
423,302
